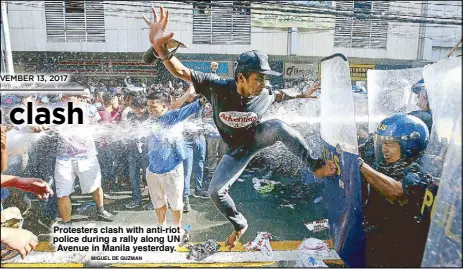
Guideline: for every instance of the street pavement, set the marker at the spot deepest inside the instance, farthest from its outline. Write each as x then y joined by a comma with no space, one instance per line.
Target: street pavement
263,212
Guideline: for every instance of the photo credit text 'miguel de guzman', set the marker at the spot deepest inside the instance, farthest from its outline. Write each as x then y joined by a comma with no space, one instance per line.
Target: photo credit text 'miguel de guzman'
116,243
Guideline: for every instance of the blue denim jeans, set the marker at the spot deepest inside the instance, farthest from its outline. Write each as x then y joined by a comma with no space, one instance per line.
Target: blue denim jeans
122,164
230,167
107,160
194,162
137,161
50,205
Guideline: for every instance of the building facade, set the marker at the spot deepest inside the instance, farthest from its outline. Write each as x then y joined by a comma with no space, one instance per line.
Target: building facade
3,54
95,37
437,41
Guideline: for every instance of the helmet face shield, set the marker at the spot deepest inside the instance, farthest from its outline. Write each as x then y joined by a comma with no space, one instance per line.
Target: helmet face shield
408,131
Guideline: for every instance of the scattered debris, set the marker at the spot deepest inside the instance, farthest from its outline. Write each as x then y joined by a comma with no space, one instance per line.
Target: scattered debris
264,181
299,196
262,243
313,245
186,237
201,251
264,186
87,208
317,226
310,262
318,199
266,189
287,205
316,263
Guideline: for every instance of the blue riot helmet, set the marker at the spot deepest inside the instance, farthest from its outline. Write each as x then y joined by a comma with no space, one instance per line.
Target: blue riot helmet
409,131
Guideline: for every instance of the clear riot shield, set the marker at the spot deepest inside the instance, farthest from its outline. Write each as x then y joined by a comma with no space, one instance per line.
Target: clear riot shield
444,95
443,248
338,130
389,92
443,83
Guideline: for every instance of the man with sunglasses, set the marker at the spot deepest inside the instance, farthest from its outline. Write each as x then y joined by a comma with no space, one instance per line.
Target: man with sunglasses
238,105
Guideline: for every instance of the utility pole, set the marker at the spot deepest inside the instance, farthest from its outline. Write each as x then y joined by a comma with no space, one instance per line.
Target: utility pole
6,41
422,32
454,48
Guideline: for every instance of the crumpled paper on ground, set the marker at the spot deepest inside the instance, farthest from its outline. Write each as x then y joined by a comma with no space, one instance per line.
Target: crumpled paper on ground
262,243
264,186
201,251
314,245
318,225
287,205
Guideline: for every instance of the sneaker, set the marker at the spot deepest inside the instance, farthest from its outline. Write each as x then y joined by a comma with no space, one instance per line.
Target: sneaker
104,216
132,204
48,223
149,206
186,205
201,194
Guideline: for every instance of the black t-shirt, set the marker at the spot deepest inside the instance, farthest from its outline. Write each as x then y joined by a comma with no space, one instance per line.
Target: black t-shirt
235,116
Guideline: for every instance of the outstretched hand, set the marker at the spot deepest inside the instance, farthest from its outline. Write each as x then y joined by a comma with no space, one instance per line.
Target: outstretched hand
158,34
35,185
315,87
22,241
327,170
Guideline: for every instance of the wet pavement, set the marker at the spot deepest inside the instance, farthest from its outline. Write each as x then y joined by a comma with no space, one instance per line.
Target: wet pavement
263,211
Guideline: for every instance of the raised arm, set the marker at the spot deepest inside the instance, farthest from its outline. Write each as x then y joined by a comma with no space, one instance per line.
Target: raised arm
158,37
180,101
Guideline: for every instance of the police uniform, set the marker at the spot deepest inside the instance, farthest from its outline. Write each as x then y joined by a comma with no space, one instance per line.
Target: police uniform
396,232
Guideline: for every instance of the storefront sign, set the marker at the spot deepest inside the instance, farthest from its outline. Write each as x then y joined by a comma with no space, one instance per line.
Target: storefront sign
358,72
295,71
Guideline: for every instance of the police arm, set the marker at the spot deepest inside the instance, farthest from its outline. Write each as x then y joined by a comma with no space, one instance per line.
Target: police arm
158,37
387,186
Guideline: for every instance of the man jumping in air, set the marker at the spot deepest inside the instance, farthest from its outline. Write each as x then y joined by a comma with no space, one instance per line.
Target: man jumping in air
238,106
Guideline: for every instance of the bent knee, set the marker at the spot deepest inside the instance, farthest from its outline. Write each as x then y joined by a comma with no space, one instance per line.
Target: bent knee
273,126
216,193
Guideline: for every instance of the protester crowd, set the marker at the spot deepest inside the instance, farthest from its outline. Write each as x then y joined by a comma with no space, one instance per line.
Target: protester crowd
107,161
